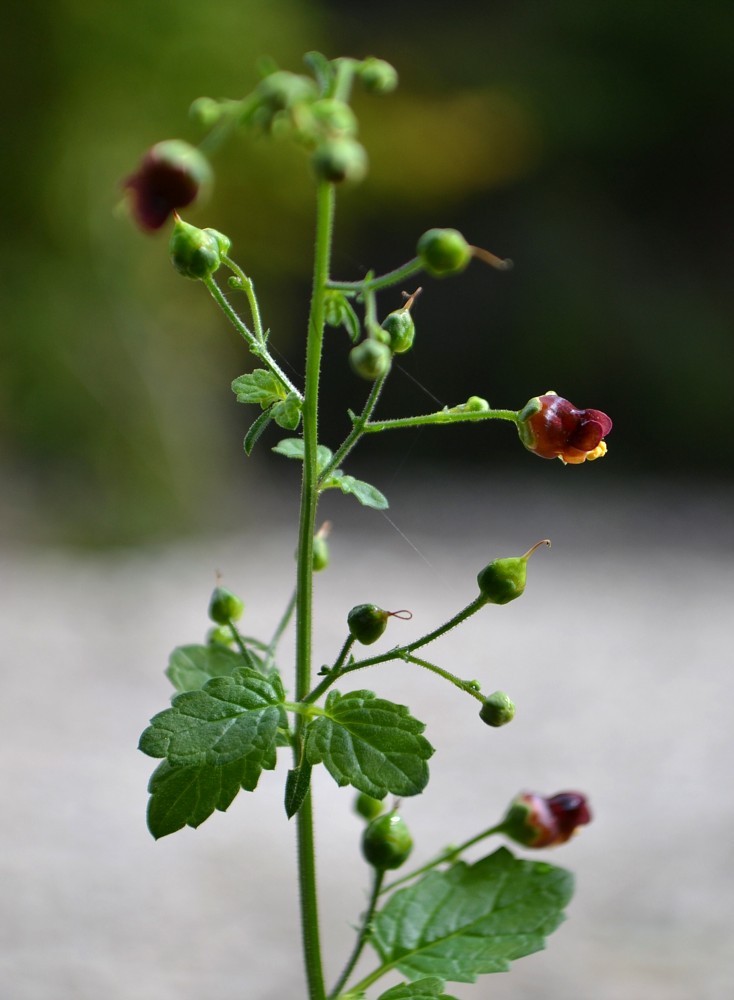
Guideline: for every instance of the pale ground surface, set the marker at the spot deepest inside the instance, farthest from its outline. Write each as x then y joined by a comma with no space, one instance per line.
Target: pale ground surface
619,657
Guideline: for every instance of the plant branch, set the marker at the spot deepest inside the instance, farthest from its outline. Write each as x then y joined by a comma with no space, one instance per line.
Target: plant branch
362,935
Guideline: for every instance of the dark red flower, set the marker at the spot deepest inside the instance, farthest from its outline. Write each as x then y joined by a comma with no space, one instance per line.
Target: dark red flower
552,427
536,821
171,175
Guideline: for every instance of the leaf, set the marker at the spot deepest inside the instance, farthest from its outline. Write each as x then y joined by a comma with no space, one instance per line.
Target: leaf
215,741
190,667
423,989
367,495
287,413
472,919
260,386
294,448
297,785
256,430
370,743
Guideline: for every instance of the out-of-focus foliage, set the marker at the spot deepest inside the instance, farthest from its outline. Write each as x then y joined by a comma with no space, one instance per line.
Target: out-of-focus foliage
586,141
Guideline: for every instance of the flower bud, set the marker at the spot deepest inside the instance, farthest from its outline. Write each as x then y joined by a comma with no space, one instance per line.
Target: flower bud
196,253
551,427
367,807
497,710
378,76
536,821
205,111
370,359
334,118
387,843
320,553
502,580
443,252
224,606
220,636
340,159
367,622
171,175
280,91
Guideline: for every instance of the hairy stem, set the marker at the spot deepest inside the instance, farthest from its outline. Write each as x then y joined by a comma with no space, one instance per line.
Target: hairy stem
362,935
441,417
384,281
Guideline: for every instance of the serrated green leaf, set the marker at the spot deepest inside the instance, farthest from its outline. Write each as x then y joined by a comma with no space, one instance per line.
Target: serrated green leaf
367,495
260,386
215,741
472,919
256,429
294,448
297,785
287,413
190,667
370,743
423,989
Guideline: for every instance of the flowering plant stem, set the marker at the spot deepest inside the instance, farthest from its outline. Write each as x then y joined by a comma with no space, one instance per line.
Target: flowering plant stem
304,577
362,933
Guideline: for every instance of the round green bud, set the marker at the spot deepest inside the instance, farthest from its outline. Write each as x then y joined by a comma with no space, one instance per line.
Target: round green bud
400,327
340,159
475,404
386,842
224,606
498,709
320,558
503,579
334,118
220,636
367,622
195,253
205,111
443,252
282,89
367,807
378,76
371,359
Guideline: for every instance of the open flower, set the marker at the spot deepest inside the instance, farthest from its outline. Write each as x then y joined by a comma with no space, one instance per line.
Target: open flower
536,821
171,175
552,427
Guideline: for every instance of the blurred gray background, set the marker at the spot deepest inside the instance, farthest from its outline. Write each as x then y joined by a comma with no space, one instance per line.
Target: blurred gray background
588,143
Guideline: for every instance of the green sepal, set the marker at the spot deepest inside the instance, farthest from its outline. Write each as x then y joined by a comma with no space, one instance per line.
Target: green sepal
368,495
340,312
256,430
471,919
297,785
430,988
287,413
370,743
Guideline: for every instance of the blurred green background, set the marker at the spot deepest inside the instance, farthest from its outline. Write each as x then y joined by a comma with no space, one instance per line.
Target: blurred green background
590,142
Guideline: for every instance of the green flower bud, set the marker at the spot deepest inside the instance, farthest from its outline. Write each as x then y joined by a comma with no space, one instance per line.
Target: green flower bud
475,404
387,843
196,253
400,327
504,579
444,252
367,622
334,118
280,91
498,709
224,606
371,359
205,111
320,553
378,76
220,636
340,159
367,807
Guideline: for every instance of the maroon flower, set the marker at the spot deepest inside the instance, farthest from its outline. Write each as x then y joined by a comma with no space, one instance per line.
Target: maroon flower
552,427
536,821
170,176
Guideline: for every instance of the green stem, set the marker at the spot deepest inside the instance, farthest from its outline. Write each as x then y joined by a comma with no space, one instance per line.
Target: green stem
244,331
442,417
448,855
304,587
249,662
363,934
280,629
384,281
399,652
456,681
357,430
248,287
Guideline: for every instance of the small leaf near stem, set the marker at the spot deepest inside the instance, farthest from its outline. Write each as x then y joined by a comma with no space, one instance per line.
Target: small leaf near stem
362,934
